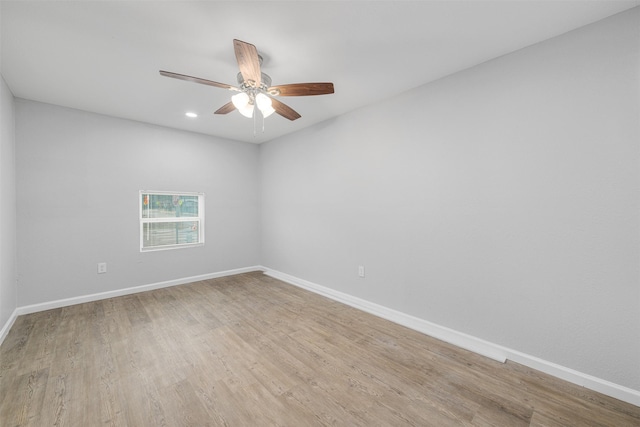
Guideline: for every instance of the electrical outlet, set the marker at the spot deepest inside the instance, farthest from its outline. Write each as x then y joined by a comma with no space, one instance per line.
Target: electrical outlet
361,270
102,267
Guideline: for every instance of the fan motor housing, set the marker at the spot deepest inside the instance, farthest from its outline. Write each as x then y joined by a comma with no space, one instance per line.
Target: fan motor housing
266,79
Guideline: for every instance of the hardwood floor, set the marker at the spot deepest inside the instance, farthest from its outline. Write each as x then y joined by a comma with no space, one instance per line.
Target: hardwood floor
249,350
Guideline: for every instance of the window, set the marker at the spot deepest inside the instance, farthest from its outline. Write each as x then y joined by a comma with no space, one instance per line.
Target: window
170,220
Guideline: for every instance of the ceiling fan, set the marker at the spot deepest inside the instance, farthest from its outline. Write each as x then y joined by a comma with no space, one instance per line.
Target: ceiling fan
254,87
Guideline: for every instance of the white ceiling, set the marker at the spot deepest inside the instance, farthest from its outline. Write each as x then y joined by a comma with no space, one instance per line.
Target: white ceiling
104,56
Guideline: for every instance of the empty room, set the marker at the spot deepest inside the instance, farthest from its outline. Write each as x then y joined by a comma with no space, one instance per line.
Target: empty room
348,213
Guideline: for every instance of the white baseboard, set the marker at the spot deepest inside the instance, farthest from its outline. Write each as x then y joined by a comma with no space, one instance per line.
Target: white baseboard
7,326
468,342
127,291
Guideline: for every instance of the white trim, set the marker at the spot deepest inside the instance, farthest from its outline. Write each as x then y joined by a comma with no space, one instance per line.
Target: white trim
173,193
27,309
7,326
468,342
170,247
600,385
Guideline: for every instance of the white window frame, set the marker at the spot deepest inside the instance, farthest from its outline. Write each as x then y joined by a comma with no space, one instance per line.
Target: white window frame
199,219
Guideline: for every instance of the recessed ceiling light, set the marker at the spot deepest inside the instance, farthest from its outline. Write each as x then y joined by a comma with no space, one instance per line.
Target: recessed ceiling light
191,115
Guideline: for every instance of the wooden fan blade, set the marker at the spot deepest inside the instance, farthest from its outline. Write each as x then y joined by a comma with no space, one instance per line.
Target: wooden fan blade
196,80
226,108
284,110
248,61
301,89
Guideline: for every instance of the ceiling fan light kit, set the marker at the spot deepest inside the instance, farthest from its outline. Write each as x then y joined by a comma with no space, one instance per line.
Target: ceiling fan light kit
254,87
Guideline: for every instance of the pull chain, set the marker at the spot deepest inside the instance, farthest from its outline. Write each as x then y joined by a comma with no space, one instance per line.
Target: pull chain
254,120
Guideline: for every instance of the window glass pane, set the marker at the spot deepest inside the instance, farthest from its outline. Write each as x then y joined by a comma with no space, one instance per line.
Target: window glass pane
169,206
171,220
169,233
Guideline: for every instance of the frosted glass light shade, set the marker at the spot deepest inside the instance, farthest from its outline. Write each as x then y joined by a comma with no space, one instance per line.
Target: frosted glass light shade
266,112
240,100
263,101
244,104
247,110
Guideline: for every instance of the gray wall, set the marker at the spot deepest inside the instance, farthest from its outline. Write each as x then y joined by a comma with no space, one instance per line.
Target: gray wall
502,201
78,177
8,290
